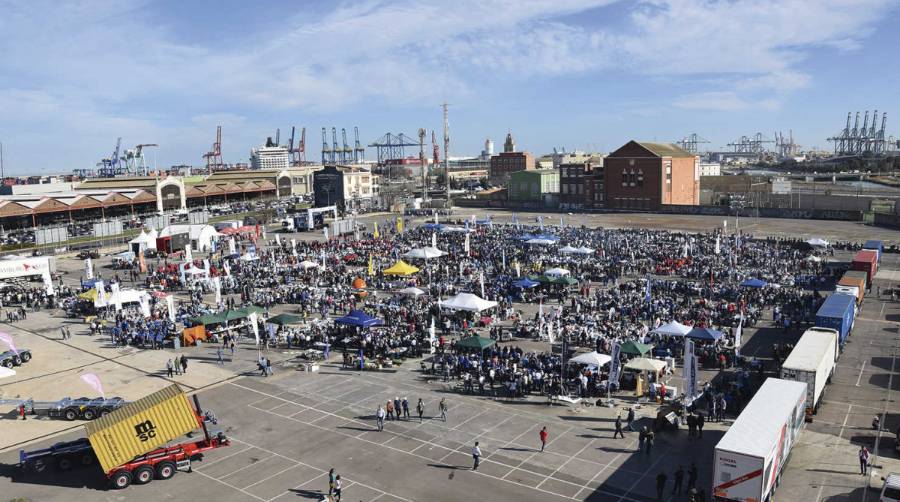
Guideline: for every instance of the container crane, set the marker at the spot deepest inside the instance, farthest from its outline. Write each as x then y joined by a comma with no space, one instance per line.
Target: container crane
335,149
359,153
214,156
327,156
346,152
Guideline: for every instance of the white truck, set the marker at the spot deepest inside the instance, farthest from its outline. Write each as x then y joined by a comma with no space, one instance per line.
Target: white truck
813,361
750,457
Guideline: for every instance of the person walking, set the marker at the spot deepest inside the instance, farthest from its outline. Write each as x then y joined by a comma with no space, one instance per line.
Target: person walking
679,480
476,455
379,418
405,404
863,460
338,487
660,484
389,408
443,408
630,419
219,355
169,368
177,365
397,407
184,364
642,436
618,431
543,435
331,480
420,409
700,421
650,437
22,411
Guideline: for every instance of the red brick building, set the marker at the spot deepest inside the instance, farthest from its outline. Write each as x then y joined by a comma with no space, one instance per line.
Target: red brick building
642,175
581,185
509,161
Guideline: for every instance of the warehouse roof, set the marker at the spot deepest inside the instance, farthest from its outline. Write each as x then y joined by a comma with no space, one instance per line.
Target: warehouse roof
666,149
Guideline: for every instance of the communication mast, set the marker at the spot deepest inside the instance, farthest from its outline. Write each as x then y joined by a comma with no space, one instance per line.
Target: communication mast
447,153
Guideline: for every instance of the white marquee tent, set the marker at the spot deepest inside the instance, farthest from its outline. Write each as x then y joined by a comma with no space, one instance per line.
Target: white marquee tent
468,302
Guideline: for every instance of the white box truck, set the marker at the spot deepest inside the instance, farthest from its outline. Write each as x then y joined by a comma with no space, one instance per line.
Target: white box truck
813,361
749,458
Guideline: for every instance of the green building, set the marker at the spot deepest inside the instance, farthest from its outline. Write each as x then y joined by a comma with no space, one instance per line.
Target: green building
537,187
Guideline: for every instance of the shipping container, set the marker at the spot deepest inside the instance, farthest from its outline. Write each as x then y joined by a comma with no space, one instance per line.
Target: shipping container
813,361
875,245
141,426
855,286
838,313
858,274
750,457
866,261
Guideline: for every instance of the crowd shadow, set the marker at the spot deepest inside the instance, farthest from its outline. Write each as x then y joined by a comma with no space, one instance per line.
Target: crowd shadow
91,478
308,494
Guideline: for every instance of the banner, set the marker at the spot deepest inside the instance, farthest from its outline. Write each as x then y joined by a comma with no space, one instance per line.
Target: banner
142,262
481,281
170,305
117,298
615,366
371,269
737,336
188,254
217,283
375,234
690,372
48,282
94,381
294,247
399,224
541,222
647,293
504,259
325,232
227,268
431,337
466,245
253,326
278,240
145,305
88,269
718,246
101,294
518,270
434,240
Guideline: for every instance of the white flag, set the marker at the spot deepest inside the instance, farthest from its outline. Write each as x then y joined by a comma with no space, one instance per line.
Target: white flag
737,336
227,269
232,247
718,246
217,282
294,247
145,305
518,270
188,255
431,336
253,326
278,239
466,245
434,240
481,281
48,282
117,298
170,305
88,269
690,372
615,366
325,231
436,218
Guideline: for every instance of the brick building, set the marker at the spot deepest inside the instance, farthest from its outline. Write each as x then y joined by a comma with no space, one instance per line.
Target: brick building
509,161
581,185
642,175
539,187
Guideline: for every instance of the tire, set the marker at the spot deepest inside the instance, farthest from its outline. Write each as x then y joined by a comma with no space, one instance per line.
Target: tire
70,414
26,357
8,363
103,413
165,470
87,459
143,475
17,360
121,480
89,414
64,463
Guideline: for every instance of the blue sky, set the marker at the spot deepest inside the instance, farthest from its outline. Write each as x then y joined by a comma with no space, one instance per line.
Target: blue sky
580,74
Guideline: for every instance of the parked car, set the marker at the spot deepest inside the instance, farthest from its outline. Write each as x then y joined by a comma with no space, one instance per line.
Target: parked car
10,358
88,253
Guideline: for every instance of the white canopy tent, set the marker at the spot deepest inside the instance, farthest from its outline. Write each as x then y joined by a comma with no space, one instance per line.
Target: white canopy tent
817,242
411,292
584,250
425,253
673,328
568,250
142,242
556,272
201,236
306,264
591,359
645,364
540,242
468,302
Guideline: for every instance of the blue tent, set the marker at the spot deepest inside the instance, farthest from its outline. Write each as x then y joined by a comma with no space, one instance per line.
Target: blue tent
359,319
525,283
705,334
754,283
524,237
433,226
88,283
545,237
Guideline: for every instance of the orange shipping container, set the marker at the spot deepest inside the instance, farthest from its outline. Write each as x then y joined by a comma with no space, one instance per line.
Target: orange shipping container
141,426
854,282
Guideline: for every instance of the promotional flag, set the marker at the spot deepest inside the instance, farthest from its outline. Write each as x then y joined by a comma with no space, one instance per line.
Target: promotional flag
101,294
217,283
690,371
206,266
615,366
504,259
145,305
88,269
399,224
325,232
647,292
431,335
561,223
253,326
294,247
481,281
473,220
371,269
7,339
436,218
227,268
541,222
142,263
188,255
518,270
170,306
737,336
375,233
232,247
48,282
94,381
466,246
117,298
718,246
434,240
278,240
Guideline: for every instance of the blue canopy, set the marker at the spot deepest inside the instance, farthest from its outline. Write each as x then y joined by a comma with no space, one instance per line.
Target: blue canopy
705,334
88,283
483,222
525,283
433,226
524,237
754,283
359,319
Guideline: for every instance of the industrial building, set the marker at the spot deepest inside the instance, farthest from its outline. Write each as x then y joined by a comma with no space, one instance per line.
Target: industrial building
348,187
539,187
581,185
509,161
642,175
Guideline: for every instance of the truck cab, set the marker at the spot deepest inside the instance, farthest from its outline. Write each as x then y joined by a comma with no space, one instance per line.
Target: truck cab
890,491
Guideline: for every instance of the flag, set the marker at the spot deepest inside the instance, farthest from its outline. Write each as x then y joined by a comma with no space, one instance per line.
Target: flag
481,281
145,305
561,224
541,222
227,268
371,269
466,245
170,305
294,247
615,366
48,282
434,240
473,220
690,371
647,292
431,337
94,381
375,233
399,224
738,334
117,298
88,269
325,231
254,327
278,239
188,255
142,263
232,248
504,259
217,282
518,270
436,218
718,246
206,266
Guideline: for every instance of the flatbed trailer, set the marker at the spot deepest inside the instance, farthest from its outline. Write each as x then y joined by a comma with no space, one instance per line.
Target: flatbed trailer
67,408
160,463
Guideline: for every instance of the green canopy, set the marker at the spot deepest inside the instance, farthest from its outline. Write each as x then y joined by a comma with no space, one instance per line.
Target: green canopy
634,348
475,342
208,319
246,311
562,280
282,319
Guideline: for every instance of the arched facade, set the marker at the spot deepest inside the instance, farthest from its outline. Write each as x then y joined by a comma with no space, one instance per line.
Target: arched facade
170,194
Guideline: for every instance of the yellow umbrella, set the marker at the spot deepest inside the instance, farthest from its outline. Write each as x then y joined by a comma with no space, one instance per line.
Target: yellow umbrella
401,268
90,294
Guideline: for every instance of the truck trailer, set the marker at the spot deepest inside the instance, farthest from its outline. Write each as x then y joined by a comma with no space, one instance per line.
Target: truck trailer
838,313
813,361
866,261
854,286
750,457
875,245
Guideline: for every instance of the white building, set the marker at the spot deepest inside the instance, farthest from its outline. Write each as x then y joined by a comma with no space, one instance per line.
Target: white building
709,169
269,157
201,236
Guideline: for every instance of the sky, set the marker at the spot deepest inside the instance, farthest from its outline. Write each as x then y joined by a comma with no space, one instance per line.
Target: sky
573,74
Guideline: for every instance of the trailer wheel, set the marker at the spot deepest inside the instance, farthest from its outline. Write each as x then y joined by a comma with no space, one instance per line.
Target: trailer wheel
8,363
70,414
89,414
143,475
26,357
165,470
103,413
87,459
121,479
64,463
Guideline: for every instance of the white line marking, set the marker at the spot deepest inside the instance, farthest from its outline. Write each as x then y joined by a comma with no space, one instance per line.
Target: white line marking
863,367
